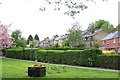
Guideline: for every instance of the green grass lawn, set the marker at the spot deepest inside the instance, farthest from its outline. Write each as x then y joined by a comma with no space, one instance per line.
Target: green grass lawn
18,69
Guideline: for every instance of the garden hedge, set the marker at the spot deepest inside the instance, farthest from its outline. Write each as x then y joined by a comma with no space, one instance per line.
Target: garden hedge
87,57
111,61
26,54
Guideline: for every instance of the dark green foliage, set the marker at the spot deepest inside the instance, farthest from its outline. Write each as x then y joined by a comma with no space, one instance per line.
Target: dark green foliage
70,57
14,53
88,57
36,37
66,48
26,54
30,38
118,27
111,61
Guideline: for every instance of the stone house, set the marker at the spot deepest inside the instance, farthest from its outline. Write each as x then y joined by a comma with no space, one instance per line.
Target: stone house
93,38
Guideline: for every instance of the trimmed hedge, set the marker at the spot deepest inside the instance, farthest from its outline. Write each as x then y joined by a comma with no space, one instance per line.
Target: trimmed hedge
25,54
111,61
14,53
67,48
86,57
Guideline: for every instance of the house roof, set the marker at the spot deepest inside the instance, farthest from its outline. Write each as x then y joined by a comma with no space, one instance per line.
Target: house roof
112,35
88,34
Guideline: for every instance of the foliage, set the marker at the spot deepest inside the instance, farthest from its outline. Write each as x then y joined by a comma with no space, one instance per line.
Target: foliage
36,37
89,57
5,39
19,53
22,42
18,39
109,61
71,7
30,38
33,44
101,24
75,37
71,57
118,27
96,45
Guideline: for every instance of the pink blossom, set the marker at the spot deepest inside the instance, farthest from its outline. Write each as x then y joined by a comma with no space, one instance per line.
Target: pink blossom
5,39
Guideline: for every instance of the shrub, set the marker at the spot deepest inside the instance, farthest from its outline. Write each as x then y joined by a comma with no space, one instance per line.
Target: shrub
14,53
111,61
72,57
27,54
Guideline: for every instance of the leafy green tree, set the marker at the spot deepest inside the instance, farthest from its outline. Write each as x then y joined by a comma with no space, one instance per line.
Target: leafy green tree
118,27
33,44
75,37
98,24
18,39
16,35
22,42
36,37
96,45
101,24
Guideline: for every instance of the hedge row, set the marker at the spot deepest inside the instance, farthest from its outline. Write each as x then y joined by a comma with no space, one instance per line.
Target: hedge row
70,57
67,48
26,54
88,57
111,61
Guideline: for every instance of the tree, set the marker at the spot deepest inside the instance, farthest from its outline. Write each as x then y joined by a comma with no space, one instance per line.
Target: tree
22,42
118,27
101,24
30,38
5,39
36,37
73,7
75,37
18,39
33,44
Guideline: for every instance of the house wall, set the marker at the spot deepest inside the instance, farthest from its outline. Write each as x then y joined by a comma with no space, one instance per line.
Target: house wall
111,43
99,36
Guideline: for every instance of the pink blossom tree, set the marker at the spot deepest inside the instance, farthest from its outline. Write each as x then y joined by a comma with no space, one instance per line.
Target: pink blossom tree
5,39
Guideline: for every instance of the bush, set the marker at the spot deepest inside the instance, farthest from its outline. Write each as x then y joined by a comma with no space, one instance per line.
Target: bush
72,57
17,53
14,53
66,48
111,61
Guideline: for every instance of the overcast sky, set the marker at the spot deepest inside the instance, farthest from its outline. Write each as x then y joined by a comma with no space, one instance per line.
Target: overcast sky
26,16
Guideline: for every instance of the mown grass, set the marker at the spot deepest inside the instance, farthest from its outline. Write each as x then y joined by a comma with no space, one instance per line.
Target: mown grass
18,69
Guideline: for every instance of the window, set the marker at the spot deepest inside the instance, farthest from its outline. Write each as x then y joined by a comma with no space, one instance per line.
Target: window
107,42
